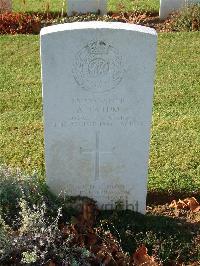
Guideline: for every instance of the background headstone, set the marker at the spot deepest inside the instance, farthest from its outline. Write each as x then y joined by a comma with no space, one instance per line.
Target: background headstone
86,6
5,5
169,6
97,99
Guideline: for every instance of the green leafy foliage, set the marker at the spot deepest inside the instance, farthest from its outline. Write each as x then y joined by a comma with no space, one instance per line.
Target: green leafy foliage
13,187
39,241
17,189
188,19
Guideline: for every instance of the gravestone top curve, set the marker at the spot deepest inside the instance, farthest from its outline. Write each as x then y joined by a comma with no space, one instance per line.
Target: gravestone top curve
97,25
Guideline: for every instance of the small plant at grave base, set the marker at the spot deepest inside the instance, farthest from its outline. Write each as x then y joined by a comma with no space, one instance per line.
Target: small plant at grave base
19,23
14,185
187,19
11,190
40,241
84,18
92,237
36,237
24,23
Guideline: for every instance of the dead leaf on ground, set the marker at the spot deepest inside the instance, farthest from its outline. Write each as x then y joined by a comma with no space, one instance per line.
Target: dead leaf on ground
189,203
192,203
180,204
51,263
89,213
141,258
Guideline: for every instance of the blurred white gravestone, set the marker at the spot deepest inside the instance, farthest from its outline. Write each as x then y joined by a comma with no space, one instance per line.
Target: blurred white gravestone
98,81
5,6
169,6
86,6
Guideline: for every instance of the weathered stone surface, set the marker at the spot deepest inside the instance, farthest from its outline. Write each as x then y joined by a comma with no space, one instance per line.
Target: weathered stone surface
97,99
5,5
169,6
86,6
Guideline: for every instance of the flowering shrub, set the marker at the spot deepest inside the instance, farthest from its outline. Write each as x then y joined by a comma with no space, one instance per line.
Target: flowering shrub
21,23
24,23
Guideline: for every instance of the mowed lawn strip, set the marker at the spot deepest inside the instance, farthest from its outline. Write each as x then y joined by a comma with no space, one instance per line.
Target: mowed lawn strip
21,129
175,142
57,5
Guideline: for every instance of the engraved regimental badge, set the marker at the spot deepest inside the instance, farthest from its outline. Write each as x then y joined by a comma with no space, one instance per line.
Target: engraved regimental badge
98,67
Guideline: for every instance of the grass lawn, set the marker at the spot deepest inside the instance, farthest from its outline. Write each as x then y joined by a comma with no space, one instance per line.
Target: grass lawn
175,142
56,5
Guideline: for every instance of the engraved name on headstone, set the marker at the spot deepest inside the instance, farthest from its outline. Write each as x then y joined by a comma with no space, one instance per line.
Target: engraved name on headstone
98,83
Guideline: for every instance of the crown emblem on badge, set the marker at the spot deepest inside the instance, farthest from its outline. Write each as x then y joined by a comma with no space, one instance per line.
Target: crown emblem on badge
98,47
98,67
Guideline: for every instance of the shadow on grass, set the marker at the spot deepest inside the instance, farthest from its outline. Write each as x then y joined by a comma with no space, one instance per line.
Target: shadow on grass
169,239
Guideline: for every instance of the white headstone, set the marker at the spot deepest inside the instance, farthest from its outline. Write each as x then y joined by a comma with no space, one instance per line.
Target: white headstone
169,6
86,6
98,81
5,5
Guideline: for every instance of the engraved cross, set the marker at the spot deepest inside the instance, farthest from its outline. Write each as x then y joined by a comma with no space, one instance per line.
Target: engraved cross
97,153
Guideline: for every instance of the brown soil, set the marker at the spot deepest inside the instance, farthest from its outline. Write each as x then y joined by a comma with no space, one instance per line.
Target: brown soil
186,217
162,197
